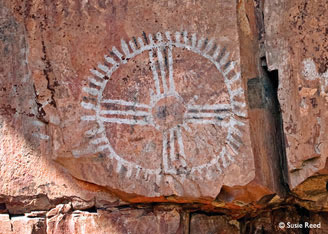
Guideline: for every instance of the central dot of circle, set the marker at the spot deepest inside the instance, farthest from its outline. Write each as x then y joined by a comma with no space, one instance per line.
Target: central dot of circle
168,112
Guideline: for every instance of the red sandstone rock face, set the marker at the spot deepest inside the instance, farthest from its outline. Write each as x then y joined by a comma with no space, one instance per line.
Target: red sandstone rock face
200,224
296,44
157,101
129,221
147,107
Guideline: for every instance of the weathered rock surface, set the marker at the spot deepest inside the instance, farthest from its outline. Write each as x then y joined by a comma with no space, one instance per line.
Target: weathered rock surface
129,221
201,224
296,45
146,108
108,103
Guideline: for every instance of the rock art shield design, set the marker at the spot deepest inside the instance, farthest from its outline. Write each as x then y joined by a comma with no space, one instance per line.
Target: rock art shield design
156,117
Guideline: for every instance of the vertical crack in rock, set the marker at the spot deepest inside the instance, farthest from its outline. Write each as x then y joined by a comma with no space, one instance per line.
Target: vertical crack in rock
271,85
46,72
41,112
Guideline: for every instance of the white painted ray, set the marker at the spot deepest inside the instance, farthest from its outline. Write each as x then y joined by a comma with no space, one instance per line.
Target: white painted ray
172,145
185,37
237,132
103,147
240,104
205,121
91,91
164,151
236,92
240,113
97,73
132,45
200,43
88,106
216,52
41,136
224,59
128,112
170,62
181,147
168,36
161,62
234,122
209,46
110,60
118,54
207,115
151,40
229,68
141,42
99,140
223,107
38,123
137,172
118,166
125,103
103,68
158,179
229,156
95,82
233,140
88,118
232,148
124,121
94,131
225,164
159,37
155,74
129,172
186,127
193,40
125,48
177,37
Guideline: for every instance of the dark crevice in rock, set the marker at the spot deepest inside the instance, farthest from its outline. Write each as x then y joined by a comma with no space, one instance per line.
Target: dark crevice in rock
41,112
46,71
92,209
271,85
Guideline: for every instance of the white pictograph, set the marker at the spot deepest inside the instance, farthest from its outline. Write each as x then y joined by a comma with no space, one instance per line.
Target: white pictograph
310,73
167,112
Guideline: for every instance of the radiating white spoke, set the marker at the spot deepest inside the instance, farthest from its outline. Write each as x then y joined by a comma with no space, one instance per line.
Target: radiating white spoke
181,148
128,112
205,121
106,111
155,74
207,115
172,145
161,62
171,139
125,103
217,107
170,61
165,62
164,151
124,121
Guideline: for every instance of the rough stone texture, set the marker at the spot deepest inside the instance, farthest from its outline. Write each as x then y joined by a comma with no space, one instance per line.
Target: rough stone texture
128,221
291,216
204,224
29,179
22,225
108,103
296,45
163,114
